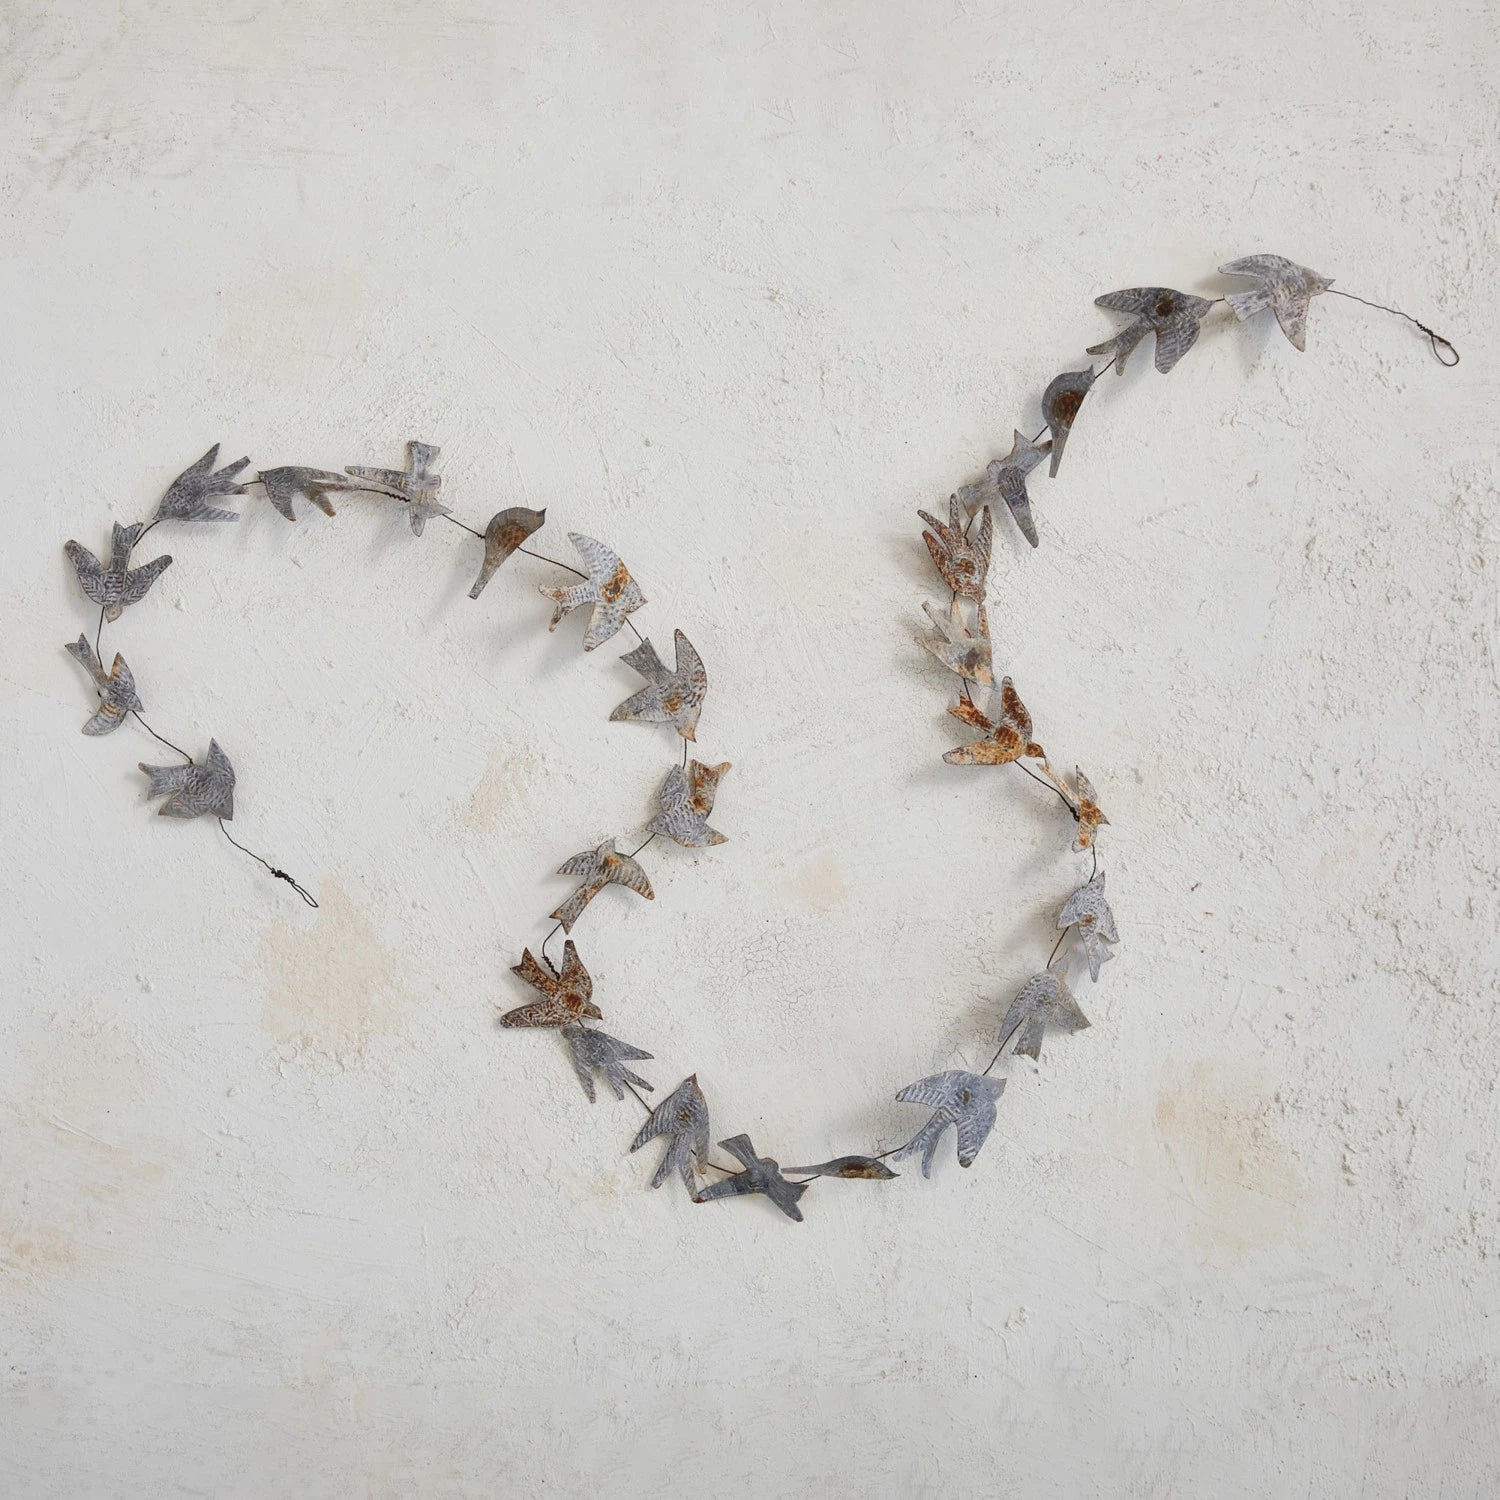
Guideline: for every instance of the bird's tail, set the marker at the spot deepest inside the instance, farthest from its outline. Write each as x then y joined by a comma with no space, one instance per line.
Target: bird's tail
163,779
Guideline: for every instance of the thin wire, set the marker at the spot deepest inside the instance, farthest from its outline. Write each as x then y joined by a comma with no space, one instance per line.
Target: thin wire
162,738
464,526
1042,781
1433,338
306,895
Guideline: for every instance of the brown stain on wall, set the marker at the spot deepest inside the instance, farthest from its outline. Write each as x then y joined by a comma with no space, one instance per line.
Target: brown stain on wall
820,884
330,987
1221,1132
496,791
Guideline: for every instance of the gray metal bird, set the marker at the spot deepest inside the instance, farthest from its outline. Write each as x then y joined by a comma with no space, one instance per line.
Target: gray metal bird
849,1168
966,1101
1088,912
686,799
674,697
286,485
599,867
609,588
188,495
1045,1000
416,484
1060,405
117,585
591,1048
193,789
761,1175
1285,287
116,689
507,530
683,1118
1174,317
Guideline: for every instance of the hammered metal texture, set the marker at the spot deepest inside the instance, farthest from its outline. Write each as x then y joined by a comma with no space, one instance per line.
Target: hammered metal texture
683,1118
1285,287
686,799
599,867
417,484
116,688
188,496
1174,317
569,994
1088,913
965,1101
1045,1000
761,1175
591,1049
507,530
193,790
609,588
119,584
674,697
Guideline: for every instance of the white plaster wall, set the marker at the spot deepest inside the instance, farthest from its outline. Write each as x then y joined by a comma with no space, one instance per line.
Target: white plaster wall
738,288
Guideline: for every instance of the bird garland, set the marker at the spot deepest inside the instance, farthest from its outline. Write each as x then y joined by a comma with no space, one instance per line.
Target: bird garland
961,549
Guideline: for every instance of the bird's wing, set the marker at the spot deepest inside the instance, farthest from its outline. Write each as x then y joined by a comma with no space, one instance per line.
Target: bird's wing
629,873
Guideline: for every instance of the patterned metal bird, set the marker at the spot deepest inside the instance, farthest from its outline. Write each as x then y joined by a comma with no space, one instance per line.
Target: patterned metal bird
416,484
506,531
1285,287
963,561
119,584
1005,479
686,799
1007,738
1174,317
1088,912
850,1168
609,588
193,789
966,1101
599,867
569,993
683,1118
591,1048
674,697
286,485
187,497
1083,803
761,1175
964,651
116,689
1045,1000
1060,404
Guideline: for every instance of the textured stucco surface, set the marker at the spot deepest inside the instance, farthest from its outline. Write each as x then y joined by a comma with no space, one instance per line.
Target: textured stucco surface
738,289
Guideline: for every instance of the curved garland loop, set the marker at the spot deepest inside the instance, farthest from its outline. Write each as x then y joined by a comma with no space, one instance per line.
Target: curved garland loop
959,639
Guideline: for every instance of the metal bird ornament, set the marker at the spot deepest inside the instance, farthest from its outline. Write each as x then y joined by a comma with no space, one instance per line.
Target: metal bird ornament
674,697
590,1049
683,1118
506,531
1045,1000
569,994
1007,737
963,561
966,1101
1088,912
849,1168
608,587
187,497
964,651
1083,803
285,485
1060,404
117,585
417,484
599,867
1174,317
686,799
761,1175
193,790
1285,287
1005,479
116,689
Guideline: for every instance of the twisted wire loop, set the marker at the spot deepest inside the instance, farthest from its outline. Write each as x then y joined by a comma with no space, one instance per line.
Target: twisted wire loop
959,1099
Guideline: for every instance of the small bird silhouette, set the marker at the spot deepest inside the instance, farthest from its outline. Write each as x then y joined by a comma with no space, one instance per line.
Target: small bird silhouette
1174,317
963,561
188,495
1060,404
964,651
850,1168
591,1048
416,484
683,1118
599,867
1005,479
193,789
761,1175
1008,738
686,799
116,690
674,697
1045,1000
569,993
1083,803
119,584
1285,287
609,588
286,485
966,1101
1088,911
506,531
